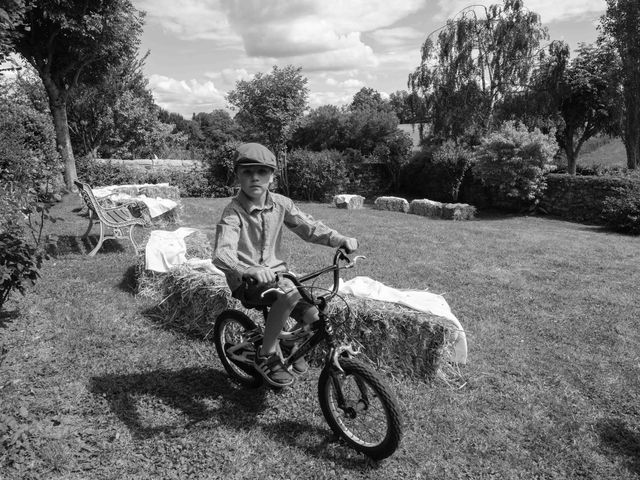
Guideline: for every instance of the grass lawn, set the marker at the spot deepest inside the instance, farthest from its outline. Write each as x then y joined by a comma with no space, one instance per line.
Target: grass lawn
92,388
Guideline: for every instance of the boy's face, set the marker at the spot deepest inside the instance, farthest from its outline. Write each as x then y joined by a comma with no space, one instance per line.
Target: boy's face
254,180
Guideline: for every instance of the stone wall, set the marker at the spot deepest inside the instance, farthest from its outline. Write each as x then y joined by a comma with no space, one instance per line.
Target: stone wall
153,163
581,198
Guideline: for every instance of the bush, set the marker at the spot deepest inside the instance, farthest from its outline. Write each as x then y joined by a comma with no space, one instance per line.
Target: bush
29,163
514,161
214,179
195,182
316,176
19,262
437,173
622,212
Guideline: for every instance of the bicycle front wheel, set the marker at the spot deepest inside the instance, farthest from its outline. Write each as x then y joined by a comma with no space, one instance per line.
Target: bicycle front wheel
232,334
360,408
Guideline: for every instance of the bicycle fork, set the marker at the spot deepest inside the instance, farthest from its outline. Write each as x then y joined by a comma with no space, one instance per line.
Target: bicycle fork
351,407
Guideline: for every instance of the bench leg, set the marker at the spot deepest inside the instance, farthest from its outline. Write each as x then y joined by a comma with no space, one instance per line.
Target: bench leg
86,234
100,241
133,242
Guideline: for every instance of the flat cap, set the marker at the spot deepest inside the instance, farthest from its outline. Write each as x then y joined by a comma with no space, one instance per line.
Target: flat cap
249,154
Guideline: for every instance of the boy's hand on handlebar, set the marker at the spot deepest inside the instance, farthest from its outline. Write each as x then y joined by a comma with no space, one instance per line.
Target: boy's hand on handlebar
262,275
349,244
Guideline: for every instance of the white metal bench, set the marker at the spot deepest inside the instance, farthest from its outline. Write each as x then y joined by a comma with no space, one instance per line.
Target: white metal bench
116,218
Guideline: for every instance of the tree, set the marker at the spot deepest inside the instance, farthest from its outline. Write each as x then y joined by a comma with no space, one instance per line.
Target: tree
475,63
394,152
369,99
269,106
94,109
321,129
366,128
213,130
577,98
11,16
68,41
621,23
588,98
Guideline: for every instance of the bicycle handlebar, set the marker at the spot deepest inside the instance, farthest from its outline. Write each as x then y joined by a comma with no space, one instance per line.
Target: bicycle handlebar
340,255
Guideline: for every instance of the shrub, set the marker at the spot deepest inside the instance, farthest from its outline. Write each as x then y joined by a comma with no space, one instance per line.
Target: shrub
622,212
514,160
29,169
195,182
437,173
19,262
453,161
99,174
315,176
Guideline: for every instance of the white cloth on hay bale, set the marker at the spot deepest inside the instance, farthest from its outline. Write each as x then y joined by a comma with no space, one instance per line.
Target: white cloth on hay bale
421,300
166,250
157,206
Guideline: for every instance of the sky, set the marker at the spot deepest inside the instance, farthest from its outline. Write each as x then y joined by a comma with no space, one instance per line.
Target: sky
199,49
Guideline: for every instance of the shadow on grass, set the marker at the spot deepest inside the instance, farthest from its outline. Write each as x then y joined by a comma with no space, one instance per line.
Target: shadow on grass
302,436
7,317
76,245
190,390
129,281
619,439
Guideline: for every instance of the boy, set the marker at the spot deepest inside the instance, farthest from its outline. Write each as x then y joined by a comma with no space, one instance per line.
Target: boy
247,242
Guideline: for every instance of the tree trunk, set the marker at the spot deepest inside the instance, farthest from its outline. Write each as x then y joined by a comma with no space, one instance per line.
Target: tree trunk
632,134
58,106
569,151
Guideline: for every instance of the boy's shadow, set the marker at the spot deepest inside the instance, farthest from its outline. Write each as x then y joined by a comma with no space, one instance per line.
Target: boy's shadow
191,390
616,437
202,394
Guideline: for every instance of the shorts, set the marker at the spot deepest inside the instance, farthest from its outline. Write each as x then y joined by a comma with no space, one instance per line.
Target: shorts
250,297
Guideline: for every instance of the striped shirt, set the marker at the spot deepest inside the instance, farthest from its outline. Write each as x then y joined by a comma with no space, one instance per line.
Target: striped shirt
248,236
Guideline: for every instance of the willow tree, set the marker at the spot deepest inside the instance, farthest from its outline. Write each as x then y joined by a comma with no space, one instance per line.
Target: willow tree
72,41
475,61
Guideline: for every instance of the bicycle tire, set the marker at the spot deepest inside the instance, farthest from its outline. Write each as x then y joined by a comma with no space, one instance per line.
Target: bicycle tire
388,420
230,328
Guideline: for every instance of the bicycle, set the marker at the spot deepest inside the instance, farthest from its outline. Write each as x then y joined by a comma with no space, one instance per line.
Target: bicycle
354,400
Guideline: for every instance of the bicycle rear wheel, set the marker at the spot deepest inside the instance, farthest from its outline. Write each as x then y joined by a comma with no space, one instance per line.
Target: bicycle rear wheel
232,334
369,418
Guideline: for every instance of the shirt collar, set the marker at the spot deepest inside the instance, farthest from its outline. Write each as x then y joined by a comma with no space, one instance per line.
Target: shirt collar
249,207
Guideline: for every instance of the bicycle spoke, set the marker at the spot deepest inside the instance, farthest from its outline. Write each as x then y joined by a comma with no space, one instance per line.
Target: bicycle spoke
369,425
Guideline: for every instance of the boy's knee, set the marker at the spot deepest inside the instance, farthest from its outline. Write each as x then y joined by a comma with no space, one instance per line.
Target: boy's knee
310,315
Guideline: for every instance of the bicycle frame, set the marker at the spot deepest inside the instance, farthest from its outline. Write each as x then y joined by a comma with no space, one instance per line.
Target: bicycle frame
322,330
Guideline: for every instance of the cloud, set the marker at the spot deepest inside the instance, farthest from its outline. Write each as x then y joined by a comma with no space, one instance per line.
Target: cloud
549,10
285,29
348,83
318,99
186,96
229,76
191,19
390,38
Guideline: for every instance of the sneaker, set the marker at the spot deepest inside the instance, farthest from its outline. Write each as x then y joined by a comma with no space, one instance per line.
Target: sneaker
273,371
300,366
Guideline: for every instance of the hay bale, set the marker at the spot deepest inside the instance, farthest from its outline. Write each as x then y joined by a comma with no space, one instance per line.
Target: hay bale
186,299
426,208
394,204
396,338
350,202
458,211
